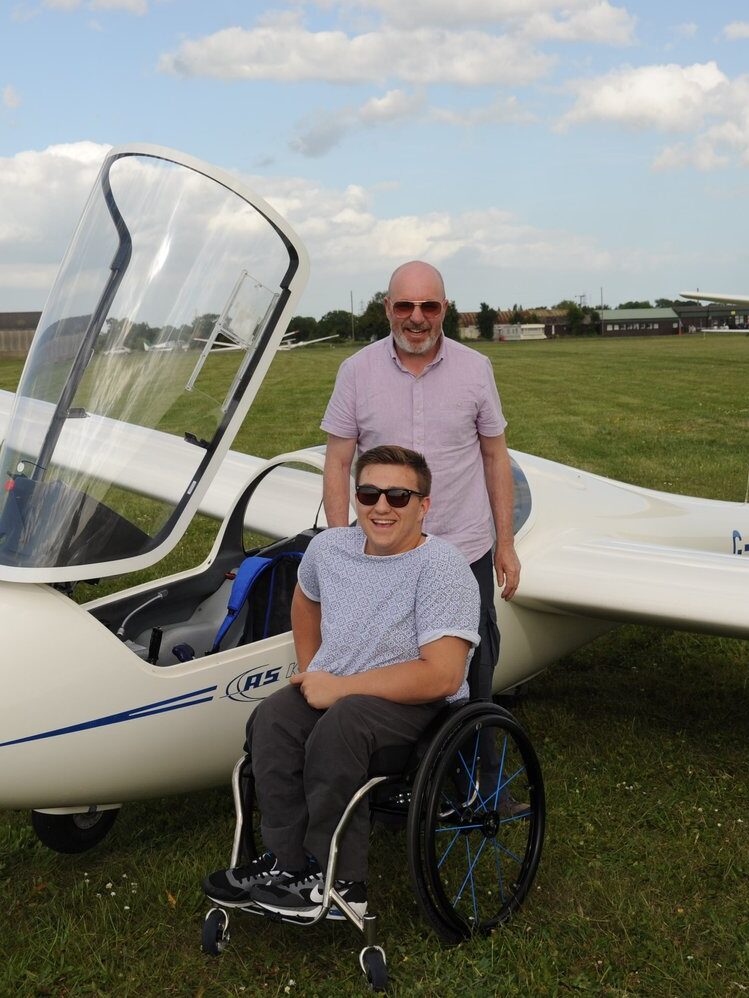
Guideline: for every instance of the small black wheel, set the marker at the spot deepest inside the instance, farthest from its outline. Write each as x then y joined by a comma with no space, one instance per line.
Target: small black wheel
215,936
73,833
375,968
476,825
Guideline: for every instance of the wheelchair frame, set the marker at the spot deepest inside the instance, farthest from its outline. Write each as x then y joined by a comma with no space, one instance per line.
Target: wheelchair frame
428,799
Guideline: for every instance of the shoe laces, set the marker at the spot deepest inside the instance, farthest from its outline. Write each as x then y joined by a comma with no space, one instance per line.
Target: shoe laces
307,875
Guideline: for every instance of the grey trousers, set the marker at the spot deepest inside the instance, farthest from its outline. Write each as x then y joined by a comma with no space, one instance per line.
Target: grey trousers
308,763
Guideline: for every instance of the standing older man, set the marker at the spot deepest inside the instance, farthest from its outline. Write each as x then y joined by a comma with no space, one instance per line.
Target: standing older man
420,390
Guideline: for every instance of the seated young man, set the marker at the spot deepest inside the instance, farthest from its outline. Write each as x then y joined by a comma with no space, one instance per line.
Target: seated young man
385,619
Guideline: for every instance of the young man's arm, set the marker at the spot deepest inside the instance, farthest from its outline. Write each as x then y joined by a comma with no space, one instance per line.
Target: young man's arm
339,455
436,674
305,626
499,485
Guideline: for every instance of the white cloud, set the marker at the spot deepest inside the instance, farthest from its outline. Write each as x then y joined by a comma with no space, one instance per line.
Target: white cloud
736,30
669,98
133,6
596,23
139,7
699,99
11,97
391,106
42,194
345,236
328,128
567,20
283,49
701,155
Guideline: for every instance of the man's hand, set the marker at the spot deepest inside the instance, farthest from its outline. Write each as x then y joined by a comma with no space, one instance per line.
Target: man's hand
507,567
320,689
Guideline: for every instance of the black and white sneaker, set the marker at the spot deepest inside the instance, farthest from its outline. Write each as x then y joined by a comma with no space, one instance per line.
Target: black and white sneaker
232,887
289,893
354,893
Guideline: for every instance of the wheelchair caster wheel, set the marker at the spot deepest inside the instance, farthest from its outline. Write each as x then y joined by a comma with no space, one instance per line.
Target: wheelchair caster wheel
375,969
215,932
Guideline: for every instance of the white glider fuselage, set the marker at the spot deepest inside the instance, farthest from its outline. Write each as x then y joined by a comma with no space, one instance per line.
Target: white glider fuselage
86,721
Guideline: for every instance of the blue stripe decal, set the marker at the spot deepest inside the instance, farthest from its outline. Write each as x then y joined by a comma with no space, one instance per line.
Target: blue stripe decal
159,707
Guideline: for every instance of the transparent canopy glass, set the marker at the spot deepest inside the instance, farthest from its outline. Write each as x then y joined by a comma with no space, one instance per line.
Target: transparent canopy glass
169,294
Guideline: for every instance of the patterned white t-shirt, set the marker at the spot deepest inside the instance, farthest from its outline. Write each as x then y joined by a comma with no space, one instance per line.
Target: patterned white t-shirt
379,610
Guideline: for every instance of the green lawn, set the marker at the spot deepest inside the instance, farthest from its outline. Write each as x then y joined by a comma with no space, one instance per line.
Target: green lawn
643,887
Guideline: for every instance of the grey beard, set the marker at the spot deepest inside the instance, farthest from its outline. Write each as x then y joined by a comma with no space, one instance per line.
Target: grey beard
407,347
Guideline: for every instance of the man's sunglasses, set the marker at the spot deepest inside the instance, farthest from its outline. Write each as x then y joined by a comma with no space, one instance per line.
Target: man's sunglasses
402,309
368,495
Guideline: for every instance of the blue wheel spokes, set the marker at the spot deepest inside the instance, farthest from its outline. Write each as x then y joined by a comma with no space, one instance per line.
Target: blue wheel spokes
498,867
500,770
457,828
471,773
445,854
469,874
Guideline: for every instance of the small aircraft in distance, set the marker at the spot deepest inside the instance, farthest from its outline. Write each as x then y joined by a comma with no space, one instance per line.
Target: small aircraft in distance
108,453
290,344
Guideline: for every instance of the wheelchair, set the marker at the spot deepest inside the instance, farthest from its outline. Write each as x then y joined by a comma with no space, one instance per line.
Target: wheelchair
470,796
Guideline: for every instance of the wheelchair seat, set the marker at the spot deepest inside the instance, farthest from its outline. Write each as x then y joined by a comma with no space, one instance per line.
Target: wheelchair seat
403,760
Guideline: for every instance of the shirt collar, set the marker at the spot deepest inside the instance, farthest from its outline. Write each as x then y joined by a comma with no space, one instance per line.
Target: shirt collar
439,356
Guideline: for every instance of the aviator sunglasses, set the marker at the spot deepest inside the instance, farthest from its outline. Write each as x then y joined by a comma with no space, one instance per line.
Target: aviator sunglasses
368,495
402,309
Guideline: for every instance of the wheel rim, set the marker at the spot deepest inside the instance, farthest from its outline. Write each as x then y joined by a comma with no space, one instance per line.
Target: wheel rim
87,821
479,857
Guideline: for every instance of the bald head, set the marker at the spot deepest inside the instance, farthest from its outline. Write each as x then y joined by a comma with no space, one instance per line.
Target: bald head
417,280
415,306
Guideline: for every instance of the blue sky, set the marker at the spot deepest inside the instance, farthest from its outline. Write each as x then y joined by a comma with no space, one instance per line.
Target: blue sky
532,149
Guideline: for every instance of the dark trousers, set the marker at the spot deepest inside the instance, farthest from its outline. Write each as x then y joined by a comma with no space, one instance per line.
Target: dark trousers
486,655
308,764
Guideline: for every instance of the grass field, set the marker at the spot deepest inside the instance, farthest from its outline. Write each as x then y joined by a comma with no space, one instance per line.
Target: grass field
643,887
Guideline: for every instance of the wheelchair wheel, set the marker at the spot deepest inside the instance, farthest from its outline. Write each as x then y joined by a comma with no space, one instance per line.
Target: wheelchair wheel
476,823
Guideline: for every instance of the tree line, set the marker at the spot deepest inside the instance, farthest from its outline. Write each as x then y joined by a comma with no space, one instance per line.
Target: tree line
372,324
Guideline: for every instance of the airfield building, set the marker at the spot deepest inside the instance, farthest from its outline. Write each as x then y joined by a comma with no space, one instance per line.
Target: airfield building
16,332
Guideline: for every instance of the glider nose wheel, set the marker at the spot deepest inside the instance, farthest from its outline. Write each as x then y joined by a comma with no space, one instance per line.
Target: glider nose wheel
73,833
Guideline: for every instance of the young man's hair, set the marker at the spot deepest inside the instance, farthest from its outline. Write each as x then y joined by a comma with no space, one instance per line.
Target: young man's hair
390,454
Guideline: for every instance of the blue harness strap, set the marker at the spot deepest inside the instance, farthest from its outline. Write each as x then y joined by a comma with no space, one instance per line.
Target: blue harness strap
250,569
247,575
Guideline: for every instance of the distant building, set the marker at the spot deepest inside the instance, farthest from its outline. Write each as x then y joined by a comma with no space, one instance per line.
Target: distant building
16,332
468,328
639,322
509,332
695,316
553,320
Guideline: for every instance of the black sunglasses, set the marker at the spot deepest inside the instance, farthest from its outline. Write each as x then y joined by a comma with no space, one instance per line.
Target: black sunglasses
402,309
368,495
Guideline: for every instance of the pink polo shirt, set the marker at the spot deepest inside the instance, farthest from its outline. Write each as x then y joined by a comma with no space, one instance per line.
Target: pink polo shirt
440,413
